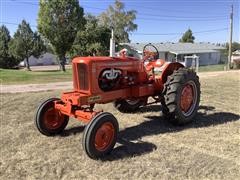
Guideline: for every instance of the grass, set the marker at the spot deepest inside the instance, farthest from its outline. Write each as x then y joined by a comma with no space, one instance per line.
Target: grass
148,146
28,77
34,77
211,68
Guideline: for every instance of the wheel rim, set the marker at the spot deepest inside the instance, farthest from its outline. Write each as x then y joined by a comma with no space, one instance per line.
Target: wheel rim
53,119
133,102
104,136
188,98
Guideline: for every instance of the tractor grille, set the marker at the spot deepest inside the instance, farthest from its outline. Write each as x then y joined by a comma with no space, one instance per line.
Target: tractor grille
80,76
83,76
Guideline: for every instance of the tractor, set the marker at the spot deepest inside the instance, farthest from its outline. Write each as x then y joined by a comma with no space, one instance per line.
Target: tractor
129,83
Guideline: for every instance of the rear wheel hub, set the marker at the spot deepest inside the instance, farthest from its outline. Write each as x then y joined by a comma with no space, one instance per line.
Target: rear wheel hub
188,98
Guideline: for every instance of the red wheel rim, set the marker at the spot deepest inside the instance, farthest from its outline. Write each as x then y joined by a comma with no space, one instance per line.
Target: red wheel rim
188,98
104,136
53,119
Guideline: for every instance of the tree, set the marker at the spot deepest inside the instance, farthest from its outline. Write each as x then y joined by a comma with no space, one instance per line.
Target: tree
4,40
120,20
93,40
4,46
26,43
59,22
187,37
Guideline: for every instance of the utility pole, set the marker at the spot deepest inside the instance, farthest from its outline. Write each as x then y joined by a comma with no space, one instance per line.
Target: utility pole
112,45
230,39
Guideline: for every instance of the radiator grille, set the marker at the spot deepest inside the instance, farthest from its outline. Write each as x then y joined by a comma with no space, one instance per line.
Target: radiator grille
83,76
80,77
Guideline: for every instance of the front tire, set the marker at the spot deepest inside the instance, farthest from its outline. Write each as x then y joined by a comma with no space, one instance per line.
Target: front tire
181,96
100,135
49,121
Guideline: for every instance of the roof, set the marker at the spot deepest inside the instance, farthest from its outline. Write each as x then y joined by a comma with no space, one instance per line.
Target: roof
178,48
191,51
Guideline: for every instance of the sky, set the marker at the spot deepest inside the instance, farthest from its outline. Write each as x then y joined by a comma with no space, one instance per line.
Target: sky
157,20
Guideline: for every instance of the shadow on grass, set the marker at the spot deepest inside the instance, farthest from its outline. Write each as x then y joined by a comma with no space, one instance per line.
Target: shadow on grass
129,139
158,125
72,131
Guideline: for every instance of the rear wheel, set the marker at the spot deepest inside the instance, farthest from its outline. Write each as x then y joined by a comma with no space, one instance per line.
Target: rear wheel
181,96
127,106
49,120
100,135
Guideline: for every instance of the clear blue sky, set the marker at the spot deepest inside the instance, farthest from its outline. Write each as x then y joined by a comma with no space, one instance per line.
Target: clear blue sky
159,17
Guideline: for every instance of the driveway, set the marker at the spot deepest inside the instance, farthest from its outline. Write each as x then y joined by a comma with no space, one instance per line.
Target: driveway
49,68
35,87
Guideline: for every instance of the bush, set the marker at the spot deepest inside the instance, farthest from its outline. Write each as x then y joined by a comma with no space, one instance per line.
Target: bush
8,62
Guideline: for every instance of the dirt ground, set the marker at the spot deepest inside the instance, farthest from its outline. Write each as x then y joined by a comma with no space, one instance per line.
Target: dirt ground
148,146
48,68
36,87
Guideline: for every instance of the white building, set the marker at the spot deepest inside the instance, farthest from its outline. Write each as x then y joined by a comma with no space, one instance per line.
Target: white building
45,59
208,53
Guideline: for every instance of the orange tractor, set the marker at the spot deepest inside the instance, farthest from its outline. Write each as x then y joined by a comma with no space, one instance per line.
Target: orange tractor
127,82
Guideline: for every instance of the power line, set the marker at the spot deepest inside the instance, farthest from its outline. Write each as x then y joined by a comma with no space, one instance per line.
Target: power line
16,24
167,10
144,34
167,16
176,20
165,34
162,17
197,17
24,2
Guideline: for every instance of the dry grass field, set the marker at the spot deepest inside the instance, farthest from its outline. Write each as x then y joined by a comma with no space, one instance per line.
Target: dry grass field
148,147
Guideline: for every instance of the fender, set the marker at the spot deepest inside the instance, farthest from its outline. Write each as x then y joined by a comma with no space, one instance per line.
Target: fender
168,70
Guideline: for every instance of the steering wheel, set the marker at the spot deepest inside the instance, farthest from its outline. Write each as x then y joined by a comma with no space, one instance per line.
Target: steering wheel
149,54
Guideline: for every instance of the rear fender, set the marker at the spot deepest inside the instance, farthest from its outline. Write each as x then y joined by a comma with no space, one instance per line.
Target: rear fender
169,69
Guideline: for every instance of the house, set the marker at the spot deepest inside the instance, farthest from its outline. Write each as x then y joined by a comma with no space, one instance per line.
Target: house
45,59
207,53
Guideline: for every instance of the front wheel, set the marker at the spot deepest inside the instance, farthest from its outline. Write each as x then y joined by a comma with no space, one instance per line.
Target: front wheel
100,135
181,96
50,121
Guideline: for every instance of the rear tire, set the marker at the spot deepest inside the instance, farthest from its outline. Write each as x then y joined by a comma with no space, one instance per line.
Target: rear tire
181,96
128,106
100,135
48,120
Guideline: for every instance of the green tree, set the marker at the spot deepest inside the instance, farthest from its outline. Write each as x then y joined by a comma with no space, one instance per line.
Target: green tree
187,37
59,22
120,20
93,40
26,43
4,40
4,46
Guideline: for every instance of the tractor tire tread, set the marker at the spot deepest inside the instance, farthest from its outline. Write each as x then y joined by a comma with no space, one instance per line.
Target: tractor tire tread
171,87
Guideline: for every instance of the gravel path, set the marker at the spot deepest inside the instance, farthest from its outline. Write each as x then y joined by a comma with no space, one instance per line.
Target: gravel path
35,87
68,85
